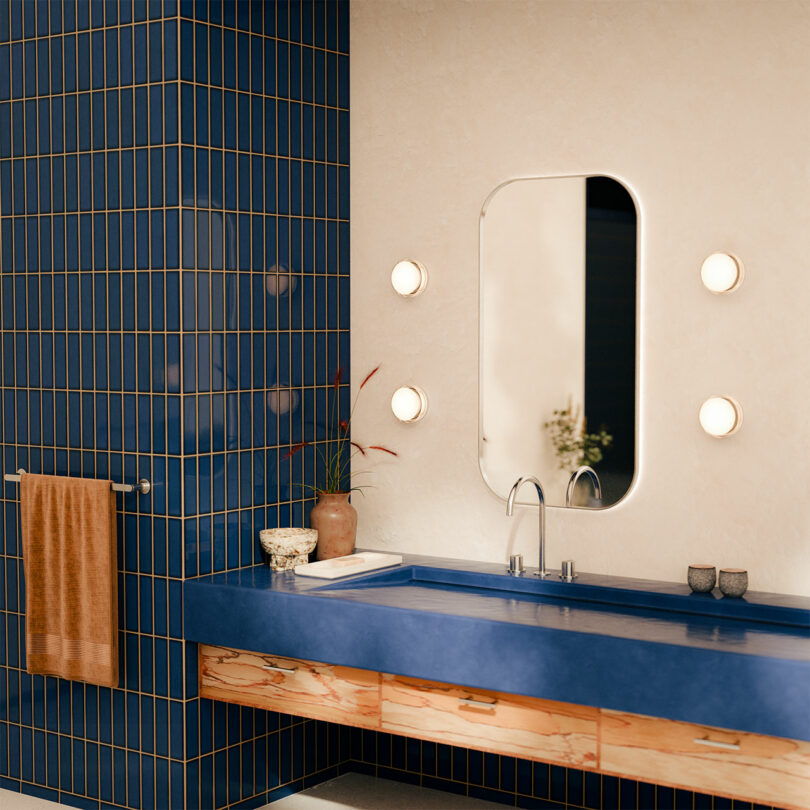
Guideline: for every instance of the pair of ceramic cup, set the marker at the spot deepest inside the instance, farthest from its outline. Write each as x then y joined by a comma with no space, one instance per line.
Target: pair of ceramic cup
732,581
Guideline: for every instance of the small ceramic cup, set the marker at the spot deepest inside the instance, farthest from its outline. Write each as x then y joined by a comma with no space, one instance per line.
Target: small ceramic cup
733,582
288,547
701,578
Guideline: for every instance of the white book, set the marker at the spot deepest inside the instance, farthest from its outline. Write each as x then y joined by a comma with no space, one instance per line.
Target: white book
349,565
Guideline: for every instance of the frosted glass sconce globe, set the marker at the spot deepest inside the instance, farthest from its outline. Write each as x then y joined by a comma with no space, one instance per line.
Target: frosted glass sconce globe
721,273
408,278
409,403
720,416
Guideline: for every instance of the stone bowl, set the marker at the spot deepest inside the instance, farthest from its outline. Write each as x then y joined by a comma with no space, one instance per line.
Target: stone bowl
287,548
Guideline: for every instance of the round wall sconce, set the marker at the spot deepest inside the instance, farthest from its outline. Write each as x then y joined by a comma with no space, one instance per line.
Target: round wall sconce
720,416
409,403
721,273
409,278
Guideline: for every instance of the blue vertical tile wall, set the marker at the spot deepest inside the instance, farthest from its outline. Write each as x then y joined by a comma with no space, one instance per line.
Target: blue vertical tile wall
89,273
173,303
264,239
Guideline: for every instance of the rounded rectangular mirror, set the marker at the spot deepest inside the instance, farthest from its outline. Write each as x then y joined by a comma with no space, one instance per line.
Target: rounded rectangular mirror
557,371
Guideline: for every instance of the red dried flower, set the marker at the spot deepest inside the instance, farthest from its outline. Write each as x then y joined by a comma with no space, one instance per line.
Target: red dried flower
339,448
295,448
384,449
369,376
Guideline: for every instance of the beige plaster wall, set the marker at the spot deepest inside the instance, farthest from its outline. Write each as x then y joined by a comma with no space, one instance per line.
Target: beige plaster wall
701,109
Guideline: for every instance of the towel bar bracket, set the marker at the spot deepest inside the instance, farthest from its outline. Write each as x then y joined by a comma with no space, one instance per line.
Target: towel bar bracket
144,486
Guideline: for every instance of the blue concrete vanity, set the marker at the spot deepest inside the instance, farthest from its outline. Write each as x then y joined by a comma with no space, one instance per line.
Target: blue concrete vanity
650,648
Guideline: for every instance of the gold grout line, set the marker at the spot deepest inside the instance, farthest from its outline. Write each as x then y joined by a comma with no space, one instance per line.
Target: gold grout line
165,332
167,757
39,265
162,20
164,144
181,331
107,86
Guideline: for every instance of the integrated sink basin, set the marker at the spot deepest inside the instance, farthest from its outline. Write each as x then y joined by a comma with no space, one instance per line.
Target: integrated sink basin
627,612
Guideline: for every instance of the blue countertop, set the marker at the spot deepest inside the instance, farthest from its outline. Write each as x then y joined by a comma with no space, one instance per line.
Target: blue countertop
633,645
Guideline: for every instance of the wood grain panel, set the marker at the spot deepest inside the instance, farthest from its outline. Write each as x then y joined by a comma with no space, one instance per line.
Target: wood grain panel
323,692
770,770
506,724
752,767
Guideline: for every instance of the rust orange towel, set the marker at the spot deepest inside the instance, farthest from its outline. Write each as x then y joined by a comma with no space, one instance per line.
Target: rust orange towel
71,577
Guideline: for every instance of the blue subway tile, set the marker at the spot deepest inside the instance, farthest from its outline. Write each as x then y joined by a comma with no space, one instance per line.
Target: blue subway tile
161,653
684,799
119,773
96,13
186,114
133,784
701,800
187,51
105,773
140,11
91,768
30,75
610,791
78,755
156,115
665,797
18,176
97,59
18,68
155,52
124,10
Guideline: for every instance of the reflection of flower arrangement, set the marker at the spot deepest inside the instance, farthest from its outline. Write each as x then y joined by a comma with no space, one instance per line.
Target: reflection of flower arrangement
338,453
573,445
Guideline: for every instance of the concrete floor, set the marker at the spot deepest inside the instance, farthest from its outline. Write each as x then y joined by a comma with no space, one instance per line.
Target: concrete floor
352,791
19,801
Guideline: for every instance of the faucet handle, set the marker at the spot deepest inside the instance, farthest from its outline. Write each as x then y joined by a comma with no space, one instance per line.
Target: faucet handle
515,564
569,571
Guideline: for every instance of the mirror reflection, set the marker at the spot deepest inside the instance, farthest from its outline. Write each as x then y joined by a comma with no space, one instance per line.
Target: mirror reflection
558,337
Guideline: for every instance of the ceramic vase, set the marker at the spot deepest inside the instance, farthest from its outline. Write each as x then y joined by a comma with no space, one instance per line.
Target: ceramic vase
336,521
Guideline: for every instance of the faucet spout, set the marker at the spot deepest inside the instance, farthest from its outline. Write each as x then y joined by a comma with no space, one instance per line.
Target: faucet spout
510,505
589,472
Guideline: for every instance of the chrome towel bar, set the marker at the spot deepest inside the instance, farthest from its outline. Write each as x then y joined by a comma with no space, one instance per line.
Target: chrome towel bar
143,486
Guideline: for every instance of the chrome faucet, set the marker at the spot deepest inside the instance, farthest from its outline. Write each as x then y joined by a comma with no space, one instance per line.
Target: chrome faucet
576,475
510,503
